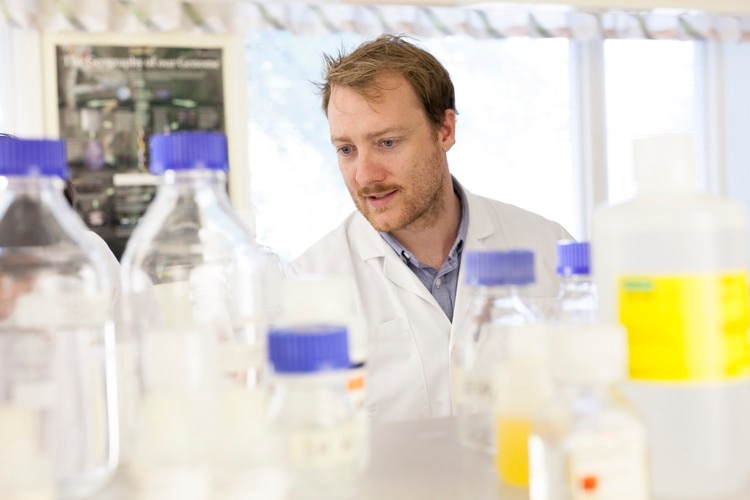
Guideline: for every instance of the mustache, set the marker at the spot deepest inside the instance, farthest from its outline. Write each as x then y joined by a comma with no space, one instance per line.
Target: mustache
378,189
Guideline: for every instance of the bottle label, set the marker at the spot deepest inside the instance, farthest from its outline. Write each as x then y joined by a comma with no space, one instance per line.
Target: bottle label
608,465
62,311
686,328
356,388
322,448
472,388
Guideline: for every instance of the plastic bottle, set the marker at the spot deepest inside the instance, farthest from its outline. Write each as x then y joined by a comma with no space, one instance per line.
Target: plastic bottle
586,443
521,381
576,302
326,299
191,292
312,408
670,266
57,370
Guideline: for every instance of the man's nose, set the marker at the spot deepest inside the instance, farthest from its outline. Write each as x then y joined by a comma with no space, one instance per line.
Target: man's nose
370,168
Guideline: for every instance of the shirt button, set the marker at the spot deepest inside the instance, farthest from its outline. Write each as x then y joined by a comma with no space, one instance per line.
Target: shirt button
438,282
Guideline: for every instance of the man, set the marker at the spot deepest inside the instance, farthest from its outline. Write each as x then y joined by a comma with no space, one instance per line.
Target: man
392,116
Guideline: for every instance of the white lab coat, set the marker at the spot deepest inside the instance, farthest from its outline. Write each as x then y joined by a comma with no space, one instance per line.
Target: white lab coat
408,334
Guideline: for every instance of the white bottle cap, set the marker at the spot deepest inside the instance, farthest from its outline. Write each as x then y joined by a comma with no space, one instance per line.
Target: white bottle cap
325,299
666,163
588,354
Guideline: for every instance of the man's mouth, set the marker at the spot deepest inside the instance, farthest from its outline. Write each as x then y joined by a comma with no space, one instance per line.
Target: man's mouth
380,199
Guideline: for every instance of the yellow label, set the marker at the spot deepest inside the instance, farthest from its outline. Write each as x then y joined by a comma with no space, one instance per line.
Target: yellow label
513,450
686,328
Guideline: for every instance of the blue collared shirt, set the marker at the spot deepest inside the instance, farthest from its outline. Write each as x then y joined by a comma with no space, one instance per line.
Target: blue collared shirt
442,283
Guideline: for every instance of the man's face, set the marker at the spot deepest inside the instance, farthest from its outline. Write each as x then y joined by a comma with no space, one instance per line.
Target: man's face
391,157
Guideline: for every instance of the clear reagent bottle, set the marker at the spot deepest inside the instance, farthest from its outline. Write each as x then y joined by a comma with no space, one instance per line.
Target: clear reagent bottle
576,302
311,407
194,308
57,363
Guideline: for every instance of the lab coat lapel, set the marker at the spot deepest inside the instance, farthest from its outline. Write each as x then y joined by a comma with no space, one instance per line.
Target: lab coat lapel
373,248
481,229
399,273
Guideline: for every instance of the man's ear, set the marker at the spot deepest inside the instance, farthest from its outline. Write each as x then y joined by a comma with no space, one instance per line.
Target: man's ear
447,130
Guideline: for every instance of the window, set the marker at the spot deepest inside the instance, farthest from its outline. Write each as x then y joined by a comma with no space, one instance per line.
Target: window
515,124
513,133
651,88
296,189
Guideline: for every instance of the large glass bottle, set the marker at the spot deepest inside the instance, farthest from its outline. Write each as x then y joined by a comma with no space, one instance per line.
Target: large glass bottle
195,311
57,371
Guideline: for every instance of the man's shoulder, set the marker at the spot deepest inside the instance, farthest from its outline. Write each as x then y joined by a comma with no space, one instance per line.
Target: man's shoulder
330,253
513,217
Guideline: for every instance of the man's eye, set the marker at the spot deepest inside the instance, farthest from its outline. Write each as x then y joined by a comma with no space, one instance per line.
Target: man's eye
345,150
388,143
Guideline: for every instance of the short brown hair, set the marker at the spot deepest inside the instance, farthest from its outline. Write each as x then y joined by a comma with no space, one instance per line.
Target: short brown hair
391,53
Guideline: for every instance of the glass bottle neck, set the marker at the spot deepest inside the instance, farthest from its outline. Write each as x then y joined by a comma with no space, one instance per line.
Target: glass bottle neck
576,281
185,179
586,397
508,298
211,184
501,291
49,189
30,183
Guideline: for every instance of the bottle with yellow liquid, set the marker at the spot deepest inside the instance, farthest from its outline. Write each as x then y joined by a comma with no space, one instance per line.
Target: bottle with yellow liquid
498,307
521,385
498,369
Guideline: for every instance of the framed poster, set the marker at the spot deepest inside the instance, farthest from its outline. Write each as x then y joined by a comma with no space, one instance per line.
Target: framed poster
106,94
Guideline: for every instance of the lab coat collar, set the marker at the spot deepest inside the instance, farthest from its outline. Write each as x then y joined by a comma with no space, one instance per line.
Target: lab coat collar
372,247
481,228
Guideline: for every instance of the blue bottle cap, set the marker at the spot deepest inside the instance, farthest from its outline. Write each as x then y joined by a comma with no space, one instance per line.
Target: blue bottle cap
27,157
498,267
188,150
307,349
573,257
